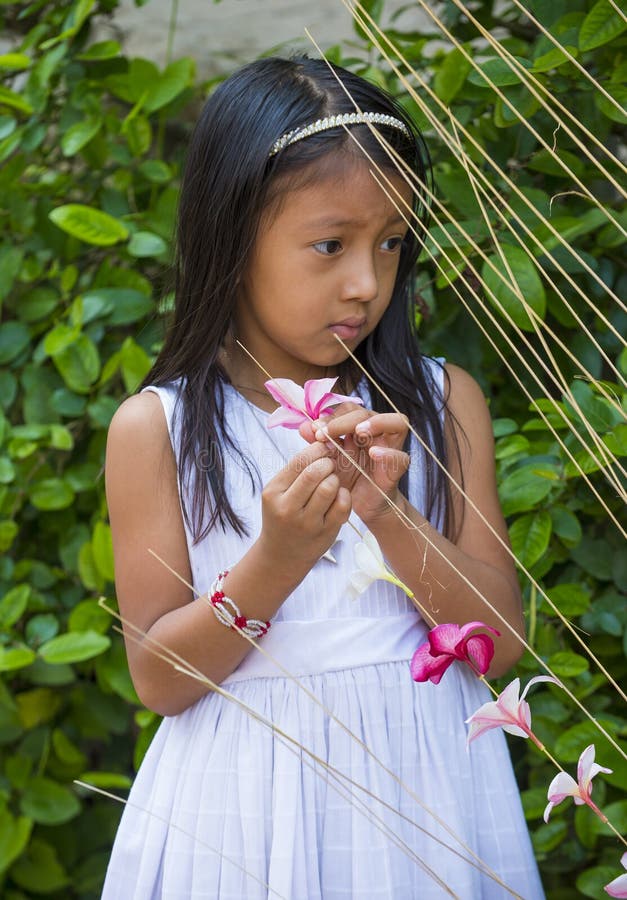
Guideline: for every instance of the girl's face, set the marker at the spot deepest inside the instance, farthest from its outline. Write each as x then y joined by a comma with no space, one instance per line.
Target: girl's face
324,264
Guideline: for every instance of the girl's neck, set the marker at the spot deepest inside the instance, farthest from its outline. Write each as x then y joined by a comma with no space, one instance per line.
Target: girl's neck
244,373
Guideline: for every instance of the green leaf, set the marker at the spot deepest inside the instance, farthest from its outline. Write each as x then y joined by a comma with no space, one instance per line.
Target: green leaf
15,101
567,665
88,615
451,75
545,162
13,605
530,535
500,72
51,493
73,647
570,599
145,243
138,133
523,489
549,836
41,628
12,658
79,364
135,364
106,780
79,134
7,470
38,870
8,533
553,59
155,170
10,265
566,525
14,835
525,275
101,50
14,338
102,548
602,24
14,61
88,224
590,883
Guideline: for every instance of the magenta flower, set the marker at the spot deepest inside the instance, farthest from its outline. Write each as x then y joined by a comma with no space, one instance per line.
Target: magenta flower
509,712
618,887
306,404
564,785
448,642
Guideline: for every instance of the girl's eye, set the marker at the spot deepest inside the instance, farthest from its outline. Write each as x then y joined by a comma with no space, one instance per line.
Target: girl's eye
392,244
328,248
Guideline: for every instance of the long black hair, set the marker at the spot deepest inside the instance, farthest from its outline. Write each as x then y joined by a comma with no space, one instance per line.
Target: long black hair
230,179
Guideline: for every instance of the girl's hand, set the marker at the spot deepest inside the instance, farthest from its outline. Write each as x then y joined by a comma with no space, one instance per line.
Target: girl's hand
303,508
375,441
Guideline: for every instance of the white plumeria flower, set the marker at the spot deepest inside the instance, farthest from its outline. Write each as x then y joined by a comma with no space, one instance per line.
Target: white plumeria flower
371,567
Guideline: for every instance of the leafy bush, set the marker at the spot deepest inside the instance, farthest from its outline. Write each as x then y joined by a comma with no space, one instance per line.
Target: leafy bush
90,144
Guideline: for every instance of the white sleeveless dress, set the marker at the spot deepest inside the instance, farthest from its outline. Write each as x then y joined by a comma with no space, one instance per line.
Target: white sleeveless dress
349,782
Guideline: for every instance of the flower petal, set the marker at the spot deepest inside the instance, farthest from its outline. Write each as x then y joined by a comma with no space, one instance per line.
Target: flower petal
425,667
315,391
538,678
288,418
508,701
368,561
562,786
480,650
473,626
286,392
444,638
358,582
515,730
586,761
617,887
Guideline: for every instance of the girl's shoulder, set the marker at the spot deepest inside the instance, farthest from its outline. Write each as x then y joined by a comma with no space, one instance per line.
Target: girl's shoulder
139,425
462,389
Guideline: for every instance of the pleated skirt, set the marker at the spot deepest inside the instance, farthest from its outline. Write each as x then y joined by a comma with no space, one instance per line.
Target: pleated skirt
353,783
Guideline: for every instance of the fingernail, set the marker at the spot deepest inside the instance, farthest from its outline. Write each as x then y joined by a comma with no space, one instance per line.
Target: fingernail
363,427
321,434
377,452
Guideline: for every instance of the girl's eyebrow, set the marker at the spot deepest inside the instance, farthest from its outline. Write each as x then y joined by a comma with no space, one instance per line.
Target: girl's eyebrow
330,222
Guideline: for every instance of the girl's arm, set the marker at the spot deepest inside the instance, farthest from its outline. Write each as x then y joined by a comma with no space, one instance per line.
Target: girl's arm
303,509
476,553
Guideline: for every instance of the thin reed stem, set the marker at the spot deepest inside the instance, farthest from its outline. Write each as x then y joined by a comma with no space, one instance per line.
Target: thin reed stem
500,172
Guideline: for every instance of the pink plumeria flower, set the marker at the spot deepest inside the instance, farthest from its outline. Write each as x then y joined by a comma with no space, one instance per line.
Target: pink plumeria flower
306,404
618,887
449,642
564,785
509,712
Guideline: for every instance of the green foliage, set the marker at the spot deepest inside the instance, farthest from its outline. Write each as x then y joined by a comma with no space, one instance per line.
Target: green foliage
84,234
90,147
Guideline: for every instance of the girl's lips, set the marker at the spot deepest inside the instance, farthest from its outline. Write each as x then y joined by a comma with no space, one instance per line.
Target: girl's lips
349,329
346,332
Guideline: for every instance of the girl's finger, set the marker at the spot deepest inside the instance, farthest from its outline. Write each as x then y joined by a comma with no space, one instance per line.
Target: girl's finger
379,424
339,511
322,499
342,424
300,492
392,463
297,464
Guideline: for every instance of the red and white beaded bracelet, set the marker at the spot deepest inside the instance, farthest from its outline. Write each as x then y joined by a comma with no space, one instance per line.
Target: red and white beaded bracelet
227,611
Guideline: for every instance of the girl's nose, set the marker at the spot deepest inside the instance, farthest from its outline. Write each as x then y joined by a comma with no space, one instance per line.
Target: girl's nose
360,281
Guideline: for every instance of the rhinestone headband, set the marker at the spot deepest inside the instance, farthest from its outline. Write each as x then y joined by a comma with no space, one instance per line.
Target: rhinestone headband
354,118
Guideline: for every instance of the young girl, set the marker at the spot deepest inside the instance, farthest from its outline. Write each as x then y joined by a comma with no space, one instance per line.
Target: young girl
348,780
